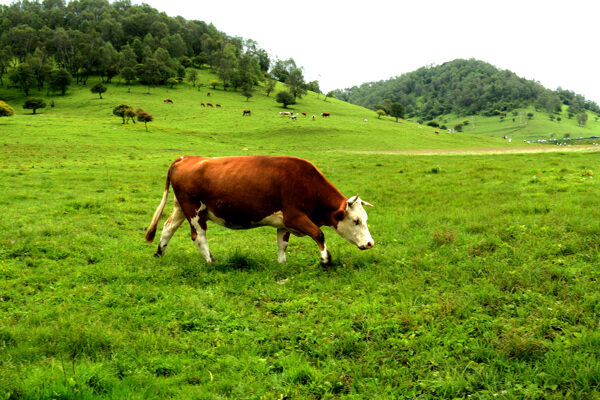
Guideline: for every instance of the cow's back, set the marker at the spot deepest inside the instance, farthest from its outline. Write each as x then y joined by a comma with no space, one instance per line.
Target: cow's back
243,190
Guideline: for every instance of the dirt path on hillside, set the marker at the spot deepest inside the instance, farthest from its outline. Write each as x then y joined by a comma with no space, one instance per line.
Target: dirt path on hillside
483,150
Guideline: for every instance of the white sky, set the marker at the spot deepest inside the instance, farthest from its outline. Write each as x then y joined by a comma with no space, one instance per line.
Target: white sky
342,43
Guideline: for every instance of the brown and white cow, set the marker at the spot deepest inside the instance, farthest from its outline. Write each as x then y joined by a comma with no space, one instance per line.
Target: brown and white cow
244,192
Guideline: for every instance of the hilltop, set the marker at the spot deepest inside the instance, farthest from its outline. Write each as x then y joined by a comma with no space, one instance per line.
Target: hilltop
465,87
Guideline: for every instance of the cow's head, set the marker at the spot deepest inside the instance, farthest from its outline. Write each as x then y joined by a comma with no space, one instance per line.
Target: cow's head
352,223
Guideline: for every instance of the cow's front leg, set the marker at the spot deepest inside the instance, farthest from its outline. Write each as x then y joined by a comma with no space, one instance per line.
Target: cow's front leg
303,224
283,238
199,237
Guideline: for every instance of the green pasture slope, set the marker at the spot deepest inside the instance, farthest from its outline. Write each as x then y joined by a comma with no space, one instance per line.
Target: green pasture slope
518,126
483,282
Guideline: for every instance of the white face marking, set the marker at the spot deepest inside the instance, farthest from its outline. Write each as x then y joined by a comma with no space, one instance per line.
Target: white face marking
354,227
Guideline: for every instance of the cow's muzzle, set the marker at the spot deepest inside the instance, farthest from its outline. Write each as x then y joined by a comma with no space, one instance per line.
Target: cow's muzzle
367,246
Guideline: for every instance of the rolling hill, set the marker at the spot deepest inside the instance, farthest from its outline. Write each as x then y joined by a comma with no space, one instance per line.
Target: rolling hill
466,88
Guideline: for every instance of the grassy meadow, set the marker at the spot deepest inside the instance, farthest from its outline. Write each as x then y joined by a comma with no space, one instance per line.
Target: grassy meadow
483,282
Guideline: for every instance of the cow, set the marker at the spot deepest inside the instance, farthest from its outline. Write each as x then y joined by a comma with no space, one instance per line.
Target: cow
218,105
209,105
294,117
167,101
304,114
325,114
284,113
246,112
243,192
202,104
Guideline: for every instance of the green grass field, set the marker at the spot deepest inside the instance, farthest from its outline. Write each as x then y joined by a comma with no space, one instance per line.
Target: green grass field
483,282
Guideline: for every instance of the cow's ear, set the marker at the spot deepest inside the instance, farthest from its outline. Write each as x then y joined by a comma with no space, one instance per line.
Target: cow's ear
339,215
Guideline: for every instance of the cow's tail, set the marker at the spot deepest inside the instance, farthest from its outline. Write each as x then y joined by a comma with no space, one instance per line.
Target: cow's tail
151,231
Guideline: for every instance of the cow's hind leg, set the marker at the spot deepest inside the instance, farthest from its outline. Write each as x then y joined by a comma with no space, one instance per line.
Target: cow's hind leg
283,237
199,237
173,222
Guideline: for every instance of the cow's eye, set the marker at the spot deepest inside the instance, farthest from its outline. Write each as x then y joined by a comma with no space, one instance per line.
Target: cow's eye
356,221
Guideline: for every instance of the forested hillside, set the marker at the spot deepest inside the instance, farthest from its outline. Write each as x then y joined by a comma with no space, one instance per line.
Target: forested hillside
462,87
50,44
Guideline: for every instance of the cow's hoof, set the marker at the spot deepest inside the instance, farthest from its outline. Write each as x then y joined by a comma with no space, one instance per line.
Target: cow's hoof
159,252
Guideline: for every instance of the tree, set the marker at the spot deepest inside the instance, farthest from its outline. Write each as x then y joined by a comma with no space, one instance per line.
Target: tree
295,83
192,76
23,77
6,110
281,70
98,88
128,73
329,94
270,86
247,92
172,82
314,87
286,98
59,80
144,116
121,111
34,103
214,83
582,118
397,111
380,112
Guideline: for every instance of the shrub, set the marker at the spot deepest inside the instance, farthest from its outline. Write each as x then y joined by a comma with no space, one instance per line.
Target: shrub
6,110
285,98
529,115
458,127
433,124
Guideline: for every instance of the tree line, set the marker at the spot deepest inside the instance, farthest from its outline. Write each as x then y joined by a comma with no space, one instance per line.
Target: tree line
463,87
50,44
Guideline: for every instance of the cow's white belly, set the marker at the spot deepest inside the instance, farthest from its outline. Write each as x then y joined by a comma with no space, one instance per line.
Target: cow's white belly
275,220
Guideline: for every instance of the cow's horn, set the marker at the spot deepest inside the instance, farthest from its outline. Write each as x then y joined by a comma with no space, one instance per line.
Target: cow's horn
365,203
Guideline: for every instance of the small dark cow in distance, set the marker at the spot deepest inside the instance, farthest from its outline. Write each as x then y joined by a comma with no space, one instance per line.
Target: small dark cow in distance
244,192
209,105
167,101
325,114
246,112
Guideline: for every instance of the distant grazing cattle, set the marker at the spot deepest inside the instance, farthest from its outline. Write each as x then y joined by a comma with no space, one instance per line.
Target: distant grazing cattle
218,105
304,114
244,192
202,104
313,117
284,113
325,114
208,94
246,112
167,101
437,132
294,117
209,105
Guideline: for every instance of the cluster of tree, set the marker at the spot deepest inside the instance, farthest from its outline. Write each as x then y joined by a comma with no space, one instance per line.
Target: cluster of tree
462,87
127,113
136,42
